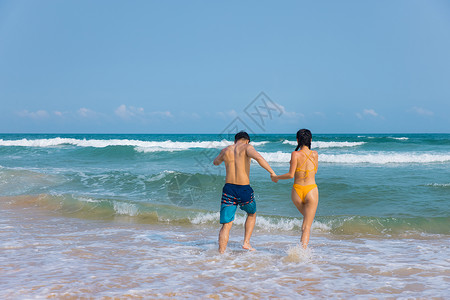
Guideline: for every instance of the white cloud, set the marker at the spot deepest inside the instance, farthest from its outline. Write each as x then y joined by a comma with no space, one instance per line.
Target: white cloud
421,111
87,113
40,114
127,112
289,114
60,113
368,112
228,114
166,113
123,112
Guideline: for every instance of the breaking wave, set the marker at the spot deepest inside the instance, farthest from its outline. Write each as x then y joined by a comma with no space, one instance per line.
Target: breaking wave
370,158
110,209
320,144
140,146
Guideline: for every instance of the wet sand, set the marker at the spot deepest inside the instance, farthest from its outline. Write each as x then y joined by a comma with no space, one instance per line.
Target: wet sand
46,255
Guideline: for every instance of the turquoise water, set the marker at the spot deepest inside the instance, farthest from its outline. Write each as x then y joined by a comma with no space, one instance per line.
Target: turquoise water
388,183
85,215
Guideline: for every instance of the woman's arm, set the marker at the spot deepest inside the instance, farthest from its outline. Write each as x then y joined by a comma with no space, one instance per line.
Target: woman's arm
291,173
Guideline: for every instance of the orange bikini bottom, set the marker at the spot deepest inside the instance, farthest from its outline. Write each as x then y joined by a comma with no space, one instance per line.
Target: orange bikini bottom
303,190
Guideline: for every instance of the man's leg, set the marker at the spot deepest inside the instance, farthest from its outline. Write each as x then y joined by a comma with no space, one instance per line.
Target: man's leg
224,235
249,225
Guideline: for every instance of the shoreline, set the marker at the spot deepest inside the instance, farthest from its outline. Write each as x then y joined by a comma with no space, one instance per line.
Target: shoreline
70,257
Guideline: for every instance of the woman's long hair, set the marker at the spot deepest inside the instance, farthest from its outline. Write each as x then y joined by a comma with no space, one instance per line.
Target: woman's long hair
304,138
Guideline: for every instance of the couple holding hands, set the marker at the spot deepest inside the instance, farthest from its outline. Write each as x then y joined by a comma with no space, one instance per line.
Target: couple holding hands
237,190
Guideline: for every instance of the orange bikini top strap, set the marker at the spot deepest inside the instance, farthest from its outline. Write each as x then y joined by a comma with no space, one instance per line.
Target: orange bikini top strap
315,167
309,157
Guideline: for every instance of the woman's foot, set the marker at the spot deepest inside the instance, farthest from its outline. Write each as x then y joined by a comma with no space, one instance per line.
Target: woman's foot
248,247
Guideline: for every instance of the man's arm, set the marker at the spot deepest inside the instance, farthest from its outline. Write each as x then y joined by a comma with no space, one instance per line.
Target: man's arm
219,159
252,153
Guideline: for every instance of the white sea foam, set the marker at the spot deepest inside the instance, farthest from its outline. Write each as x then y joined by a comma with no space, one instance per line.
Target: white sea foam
290,142
297,254
321,144
287,224
371,158
385,158
278,156
128,209
262,222
400,138
86,199
439,184
390,137
160,175
140,146
203,218
277,224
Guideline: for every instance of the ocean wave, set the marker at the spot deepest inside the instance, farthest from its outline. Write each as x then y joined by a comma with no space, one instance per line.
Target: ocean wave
141,146
439,185
21,181
403,138
160,176
128,209
263,222
384,158
144,212
400,138
388,226
278,156
370,158
321,144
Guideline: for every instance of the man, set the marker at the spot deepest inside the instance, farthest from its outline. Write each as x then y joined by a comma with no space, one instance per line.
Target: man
237,190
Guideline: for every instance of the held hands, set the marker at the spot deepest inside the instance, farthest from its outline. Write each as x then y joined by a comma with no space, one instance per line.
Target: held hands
274,177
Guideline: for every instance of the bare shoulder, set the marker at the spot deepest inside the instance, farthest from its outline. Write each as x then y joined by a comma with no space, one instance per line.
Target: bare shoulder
225,150
248,148
251,151
296,154
228,152
228,148
315,154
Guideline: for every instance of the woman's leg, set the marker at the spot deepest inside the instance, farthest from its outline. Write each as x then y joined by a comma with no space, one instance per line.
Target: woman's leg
308,210
297,201
309,207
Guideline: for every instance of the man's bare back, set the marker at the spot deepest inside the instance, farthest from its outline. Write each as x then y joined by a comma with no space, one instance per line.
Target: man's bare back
237,159
237,163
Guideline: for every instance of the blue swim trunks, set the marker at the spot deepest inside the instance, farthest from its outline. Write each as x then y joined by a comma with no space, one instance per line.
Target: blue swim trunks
234,195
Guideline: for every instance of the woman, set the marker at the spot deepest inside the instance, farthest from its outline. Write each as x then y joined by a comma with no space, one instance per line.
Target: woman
305,194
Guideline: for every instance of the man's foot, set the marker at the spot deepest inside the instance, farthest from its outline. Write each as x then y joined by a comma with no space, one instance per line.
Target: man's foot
247,246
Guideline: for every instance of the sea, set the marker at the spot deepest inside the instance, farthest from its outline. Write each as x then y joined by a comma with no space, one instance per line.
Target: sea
125,216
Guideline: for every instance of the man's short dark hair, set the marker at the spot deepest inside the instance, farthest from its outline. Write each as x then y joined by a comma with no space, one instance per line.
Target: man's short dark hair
241,135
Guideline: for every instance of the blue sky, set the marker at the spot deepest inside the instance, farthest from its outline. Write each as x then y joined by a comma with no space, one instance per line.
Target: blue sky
194,66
